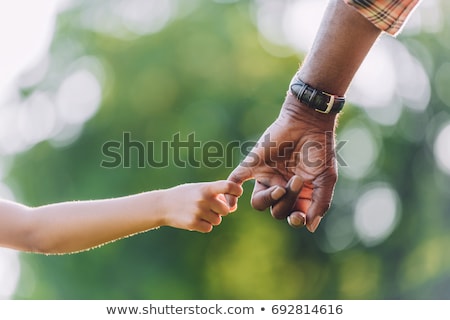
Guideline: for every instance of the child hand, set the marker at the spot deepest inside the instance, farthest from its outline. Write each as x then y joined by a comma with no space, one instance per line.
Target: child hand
199,206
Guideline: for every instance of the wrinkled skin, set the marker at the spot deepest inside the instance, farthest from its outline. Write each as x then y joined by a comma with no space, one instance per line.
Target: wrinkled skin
297,153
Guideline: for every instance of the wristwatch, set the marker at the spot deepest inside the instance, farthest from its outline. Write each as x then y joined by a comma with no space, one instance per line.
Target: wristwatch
318,100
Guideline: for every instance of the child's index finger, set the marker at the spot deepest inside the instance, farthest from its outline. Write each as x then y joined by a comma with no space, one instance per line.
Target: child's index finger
226,187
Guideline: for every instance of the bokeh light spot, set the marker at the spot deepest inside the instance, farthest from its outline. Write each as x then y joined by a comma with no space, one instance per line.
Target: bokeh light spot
26,31
144,16
376,214
374,83
442,149
339,232
79,97
37,118
359,151
128,19
9,272
301,22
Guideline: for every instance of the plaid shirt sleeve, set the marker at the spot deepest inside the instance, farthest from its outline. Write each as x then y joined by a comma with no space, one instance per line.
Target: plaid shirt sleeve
387,15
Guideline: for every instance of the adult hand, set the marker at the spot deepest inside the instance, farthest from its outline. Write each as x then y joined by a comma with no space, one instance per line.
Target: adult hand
294,165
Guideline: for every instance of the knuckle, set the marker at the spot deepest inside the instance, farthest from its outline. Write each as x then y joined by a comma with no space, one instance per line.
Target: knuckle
259,204
278,214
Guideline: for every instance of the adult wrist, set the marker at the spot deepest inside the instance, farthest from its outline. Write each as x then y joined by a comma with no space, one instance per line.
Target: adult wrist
315,98
297,112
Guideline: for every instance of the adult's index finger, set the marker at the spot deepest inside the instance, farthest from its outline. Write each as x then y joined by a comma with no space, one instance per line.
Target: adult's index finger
239,175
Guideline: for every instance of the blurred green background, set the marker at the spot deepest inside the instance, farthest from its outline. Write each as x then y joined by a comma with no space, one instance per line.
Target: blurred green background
220,70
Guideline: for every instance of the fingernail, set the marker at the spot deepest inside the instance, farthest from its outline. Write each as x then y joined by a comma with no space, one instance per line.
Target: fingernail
277,193
315,224
296,221
296,184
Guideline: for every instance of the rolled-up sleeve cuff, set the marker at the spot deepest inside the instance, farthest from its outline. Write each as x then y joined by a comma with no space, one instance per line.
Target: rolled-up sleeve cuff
387,15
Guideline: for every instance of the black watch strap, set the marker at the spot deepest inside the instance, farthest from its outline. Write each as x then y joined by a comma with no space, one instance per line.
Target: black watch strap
318,100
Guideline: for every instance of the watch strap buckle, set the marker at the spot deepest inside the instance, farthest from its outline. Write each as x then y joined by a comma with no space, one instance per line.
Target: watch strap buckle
330,103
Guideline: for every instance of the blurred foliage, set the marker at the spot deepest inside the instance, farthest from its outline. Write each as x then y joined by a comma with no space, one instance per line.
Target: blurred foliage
206,73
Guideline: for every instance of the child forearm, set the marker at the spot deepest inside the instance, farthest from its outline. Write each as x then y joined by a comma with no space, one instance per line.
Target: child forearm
80,225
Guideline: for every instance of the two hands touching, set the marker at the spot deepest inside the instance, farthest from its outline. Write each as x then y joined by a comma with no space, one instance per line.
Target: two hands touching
294,166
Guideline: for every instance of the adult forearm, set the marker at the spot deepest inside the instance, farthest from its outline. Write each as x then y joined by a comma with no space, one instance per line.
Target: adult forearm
342,42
